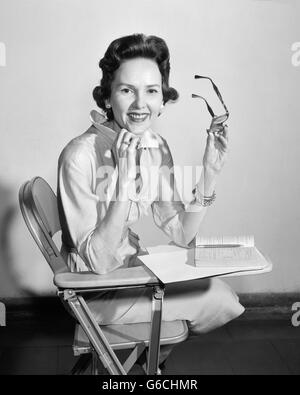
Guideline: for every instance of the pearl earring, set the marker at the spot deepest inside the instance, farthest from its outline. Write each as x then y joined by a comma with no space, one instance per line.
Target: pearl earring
108,106
161,109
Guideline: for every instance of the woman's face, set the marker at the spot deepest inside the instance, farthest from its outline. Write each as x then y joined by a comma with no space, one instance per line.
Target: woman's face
136,94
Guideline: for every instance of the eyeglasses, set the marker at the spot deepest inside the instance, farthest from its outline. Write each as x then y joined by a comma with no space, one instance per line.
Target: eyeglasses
220,119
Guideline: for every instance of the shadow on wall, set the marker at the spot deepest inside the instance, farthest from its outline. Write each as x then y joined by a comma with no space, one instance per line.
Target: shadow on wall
23,269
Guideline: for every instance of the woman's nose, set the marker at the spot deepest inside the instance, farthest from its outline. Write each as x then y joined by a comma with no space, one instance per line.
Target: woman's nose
140,101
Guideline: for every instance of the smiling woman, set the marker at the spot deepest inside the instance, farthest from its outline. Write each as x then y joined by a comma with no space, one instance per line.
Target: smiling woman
96,230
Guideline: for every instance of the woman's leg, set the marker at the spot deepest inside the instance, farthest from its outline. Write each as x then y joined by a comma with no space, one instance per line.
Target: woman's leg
204,304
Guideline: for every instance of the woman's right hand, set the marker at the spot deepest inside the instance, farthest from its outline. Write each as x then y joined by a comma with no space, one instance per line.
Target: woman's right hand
126,149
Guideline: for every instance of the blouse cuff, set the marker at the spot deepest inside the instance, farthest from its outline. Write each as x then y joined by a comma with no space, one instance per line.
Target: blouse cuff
101,259
192,207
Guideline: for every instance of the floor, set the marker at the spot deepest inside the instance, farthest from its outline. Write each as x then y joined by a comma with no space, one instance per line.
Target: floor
42,345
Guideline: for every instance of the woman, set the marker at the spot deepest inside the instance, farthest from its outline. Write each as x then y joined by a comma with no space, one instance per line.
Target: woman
102,187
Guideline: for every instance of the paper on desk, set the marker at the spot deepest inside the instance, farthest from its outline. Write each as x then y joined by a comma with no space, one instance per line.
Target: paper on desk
164,248
173,264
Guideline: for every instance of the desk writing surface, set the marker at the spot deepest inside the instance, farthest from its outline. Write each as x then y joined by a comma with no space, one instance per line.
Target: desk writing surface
171,263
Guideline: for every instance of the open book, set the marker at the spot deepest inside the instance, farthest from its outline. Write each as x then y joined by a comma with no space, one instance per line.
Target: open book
236,252
171,263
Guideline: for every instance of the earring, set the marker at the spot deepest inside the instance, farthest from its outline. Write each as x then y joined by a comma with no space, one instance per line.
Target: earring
161,109
108,106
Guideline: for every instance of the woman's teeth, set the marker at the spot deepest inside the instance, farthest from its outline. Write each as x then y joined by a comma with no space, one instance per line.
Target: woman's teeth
137,117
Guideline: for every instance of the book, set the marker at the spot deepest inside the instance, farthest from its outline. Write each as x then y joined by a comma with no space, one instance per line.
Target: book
235,252
171,263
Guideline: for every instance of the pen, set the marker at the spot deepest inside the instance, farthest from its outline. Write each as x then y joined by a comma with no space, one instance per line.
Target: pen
218,245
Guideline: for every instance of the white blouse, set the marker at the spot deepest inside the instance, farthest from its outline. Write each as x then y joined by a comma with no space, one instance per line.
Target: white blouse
85,190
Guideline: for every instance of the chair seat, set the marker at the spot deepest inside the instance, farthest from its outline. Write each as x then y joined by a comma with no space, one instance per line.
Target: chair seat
125,336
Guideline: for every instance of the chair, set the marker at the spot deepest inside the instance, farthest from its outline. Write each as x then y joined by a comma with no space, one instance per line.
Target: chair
38,204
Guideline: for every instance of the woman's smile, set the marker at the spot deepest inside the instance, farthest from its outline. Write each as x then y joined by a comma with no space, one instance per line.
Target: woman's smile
137,117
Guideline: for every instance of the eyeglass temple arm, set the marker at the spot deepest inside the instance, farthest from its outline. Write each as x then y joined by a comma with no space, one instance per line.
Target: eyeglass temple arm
207,105
215,89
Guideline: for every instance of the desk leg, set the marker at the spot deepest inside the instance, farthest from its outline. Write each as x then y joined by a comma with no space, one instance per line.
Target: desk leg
154,345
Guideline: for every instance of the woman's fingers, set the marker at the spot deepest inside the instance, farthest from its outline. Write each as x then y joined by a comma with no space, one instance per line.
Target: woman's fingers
217,137
124,142
131,157
210,139
120,138
124,135
219,131
225,132
223,143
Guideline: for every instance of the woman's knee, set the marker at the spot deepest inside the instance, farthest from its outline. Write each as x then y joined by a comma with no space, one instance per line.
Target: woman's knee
221,306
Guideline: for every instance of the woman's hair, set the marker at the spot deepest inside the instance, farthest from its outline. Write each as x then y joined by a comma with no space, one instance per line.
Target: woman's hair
129,47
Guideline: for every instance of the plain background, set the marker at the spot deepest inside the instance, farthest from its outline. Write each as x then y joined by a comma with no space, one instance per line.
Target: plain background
52,53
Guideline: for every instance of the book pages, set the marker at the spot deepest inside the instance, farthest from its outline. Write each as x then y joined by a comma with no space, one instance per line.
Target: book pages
244,240
234,257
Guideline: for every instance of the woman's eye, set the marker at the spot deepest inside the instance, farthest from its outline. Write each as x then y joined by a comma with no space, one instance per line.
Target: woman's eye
126,90
152,91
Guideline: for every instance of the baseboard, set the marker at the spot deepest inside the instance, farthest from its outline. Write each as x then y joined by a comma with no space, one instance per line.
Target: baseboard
268,305
260,306
35,310
269,299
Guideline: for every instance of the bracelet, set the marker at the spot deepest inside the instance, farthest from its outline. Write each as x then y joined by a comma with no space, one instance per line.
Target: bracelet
203,200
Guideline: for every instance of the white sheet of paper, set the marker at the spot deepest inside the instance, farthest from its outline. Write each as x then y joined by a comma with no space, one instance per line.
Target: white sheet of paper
173,264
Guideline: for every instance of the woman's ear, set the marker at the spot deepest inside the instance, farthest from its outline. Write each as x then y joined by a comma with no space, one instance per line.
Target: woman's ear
107,104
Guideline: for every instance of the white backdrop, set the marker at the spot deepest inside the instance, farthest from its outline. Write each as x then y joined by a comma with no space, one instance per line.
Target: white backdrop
49,66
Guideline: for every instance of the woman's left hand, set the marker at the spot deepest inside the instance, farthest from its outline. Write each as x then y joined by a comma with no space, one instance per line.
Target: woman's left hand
216,149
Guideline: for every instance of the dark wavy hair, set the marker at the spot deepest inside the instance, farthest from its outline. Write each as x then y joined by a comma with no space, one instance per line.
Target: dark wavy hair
129,47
